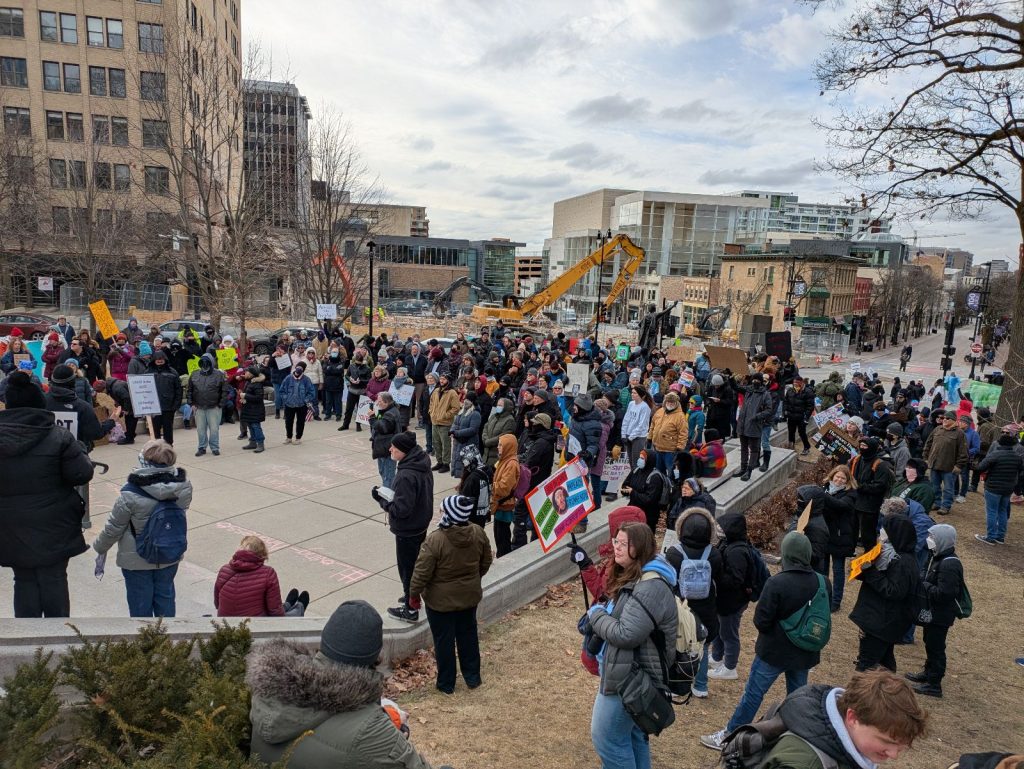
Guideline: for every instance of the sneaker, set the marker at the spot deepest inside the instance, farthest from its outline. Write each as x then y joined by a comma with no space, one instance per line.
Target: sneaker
985,539
713,663
713,741
999,541
943,511
287,440
297,441
200,452
723,674
700,694
1019,661
959,500
404,614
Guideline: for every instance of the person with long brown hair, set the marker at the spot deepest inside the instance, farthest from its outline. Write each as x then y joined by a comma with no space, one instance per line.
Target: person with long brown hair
640,599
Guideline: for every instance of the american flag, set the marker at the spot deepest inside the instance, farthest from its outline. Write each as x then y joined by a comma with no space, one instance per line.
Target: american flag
309,413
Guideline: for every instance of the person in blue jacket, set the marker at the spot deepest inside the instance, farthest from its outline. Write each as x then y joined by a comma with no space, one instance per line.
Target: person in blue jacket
297,394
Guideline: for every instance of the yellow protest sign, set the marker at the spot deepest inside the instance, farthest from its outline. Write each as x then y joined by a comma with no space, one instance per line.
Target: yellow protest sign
227,358
104,320
192,364
857,564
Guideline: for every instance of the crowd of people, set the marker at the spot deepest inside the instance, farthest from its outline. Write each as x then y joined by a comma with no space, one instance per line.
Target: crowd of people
500,412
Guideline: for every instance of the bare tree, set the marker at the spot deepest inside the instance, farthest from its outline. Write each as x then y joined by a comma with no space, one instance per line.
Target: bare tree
952,139
330,256
23,203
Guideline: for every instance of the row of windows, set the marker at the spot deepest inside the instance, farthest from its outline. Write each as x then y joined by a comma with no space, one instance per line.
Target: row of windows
63,27
69,221
71,174
70,126
103,81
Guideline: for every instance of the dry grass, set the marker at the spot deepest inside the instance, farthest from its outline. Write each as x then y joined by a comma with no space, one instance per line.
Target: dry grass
534,707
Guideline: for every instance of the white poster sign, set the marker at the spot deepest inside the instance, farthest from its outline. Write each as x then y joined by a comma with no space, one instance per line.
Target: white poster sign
614,474
327,312
834,414
145,400
579,378
402,395
68,420
364,410
45,284
283,361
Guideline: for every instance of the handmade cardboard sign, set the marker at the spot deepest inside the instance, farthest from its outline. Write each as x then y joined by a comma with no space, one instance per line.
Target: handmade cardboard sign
833,442
104,320
364,410
227,358
731,358
327,312
857,564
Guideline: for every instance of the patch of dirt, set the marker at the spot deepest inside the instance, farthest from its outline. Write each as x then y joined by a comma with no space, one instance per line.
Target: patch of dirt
534,707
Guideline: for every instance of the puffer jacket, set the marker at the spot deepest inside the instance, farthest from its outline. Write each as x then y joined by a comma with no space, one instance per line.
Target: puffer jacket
384,426
627,630
158,483
798,405
314,371
806,714
334,375
51,357
944,578
607,425
358,377
376,386
885,603
756,412
449,568
295,691
497,425
841,518
1003,467
208,389
586,428
118,359
40,511
466,431
738,567
669,429
247,587
830,390
253,408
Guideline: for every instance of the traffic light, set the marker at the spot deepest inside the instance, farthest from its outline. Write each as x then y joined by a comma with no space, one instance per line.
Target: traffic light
946,364
949,351
788,314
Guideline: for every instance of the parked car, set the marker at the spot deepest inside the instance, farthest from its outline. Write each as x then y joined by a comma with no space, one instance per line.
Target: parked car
408,307
174,327
264,343
32,326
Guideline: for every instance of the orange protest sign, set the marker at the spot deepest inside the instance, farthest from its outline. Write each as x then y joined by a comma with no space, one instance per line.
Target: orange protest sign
104,320
857,564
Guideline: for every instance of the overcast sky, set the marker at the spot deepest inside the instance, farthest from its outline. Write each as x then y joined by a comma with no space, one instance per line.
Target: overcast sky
487,112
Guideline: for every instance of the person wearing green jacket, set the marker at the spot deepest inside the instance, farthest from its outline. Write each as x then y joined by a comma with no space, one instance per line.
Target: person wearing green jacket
502,421
915,484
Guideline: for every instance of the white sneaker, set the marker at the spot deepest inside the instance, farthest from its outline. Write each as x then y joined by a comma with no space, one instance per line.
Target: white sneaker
297,441
713,741
287,440
959,500
714,664
700,694
723,674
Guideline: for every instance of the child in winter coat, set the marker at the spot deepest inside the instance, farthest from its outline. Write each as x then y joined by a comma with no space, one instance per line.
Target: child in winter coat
247,587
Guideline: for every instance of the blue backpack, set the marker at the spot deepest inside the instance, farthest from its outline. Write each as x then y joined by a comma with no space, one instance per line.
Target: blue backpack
164,538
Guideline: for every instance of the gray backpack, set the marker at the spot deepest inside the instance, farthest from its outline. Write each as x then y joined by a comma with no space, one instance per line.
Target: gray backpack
694,578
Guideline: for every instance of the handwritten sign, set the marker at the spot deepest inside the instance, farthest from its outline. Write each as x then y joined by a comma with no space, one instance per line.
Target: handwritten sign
559,503
145,399
402,395
68,420
283,361
679,352
227,358
614,473
731,358
104,320
192,364
364,410
579,375
857,564
833,414
327,312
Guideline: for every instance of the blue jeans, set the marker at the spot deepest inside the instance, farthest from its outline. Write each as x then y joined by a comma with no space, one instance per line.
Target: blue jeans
944,481
278,403
387,467
762,676
838,577
150,591
726,647
700,680
997,512
618,742
766,438
963,481
208,427
256,431
665,460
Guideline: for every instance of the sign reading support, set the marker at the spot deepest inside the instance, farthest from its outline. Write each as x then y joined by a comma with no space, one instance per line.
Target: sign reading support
68,420
104,320
145,400
327,312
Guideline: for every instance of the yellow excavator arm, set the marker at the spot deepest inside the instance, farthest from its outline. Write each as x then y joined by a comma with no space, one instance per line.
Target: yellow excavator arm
634,258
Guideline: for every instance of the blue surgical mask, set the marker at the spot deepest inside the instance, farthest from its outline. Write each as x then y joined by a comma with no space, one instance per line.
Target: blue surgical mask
675,473
640,464
498,409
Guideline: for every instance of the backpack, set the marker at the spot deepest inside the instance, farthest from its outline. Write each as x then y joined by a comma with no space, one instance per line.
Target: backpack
963,604
748,746
690,637
163,540
666,488
810,626
761,574
694,575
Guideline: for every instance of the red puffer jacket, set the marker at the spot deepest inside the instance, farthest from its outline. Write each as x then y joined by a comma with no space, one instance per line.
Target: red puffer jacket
247,587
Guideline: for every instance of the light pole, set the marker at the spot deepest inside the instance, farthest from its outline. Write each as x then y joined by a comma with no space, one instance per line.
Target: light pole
601,239
371,246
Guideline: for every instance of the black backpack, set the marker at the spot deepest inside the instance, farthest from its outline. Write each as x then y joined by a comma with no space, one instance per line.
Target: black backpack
747,746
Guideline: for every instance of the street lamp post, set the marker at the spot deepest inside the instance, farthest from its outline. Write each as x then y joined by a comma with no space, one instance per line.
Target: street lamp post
371,246
601,239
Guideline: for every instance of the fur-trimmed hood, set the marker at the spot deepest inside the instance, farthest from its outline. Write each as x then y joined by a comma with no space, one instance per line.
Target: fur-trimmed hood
295,689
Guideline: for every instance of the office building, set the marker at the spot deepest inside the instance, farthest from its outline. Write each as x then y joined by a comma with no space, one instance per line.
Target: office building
394,220
787,214
955,258
529,273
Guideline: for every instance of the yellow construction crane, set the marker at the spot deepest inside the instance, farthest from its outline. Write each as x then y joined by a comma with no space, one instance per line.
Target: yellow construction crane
514,312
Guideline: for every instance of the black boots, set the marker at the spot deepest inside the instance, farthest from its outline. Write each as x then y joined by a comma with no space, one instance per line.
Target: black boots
765,457
928,689
745,473
917,678
250,445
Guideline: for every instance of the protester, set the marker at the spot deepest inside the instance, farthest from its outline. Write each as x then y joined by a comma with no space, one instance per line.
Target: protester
253,411
208,394
973,439
838,507
503,499
62,398
502,421
720,401
734,589
1003,467
334,383
409,512
756,411
358,380
156,482
450,565
645,488
444,405
465,430
315,373
669,432
297,396
797,407
385,425
945,451
875,480
247,587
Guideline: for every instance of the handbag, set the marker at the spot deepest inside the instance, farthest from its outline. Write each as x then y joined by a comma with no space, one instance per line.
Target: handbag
649,706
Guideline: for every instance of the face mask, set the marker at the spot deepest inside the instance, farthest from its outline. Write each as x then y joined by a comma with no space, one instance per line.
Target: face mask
675,473
834,487
498,409
640,464
930,543
297,374
334,354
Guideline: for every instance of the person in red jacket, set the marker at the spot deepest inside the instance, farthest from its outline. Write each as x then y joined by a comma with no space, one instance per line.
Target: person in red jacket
247,587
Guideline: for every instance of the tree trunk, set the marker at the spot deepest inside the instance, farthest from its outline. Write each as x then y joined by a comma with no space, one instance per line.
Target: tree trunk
1011,402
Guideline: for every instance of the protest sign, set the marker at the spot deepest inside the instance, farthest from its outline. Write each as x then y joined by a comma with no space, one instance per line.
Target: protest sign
227,358
402,395
622,352
559,503
857,564
283,361
614,473
145,400
805,518
984,394
686,378
364,410
679,352
579,378
34,358
68,420
731,358
104,320
192,364
833,414
833,442
327,312
779,344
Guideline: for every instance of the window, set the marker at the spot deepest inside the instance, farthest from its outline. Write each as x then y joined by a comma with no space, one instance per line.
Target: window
101,129
122,177
17,121
101,176
158,180
68,28
104,219
97,81
751,272
61,220
76,127
54,125
48,26
72,78
117,83
115,33
12,22
13,72
58,174
76,174
119,131
154,133
94,31
151,86
51,76
151,37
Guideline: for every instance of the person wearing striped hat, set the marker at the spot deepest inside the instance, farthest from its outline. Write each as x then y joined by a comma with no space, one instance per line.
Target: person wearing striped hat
448,579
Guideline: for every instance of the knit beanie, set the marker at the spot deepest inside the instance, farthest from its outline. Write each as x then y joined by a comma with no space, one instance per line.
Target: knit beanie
584,403
455,509
16,332
354,635
145,348
404,441
23,393
717,380
1006,440
796,550
62,375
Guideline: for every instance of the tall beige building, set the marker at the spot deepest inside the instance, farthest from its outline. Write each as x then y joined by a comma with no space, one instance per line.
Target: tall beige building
93,93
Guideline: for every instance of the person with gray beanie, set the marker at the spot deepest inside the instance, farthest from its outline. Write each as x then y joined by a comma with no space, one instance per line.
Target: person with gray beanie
330,698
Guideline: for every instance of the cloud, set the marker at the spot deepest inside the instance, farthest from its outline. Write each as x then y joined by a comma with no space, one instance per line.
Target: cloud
437,165
420,143
527,180
610,109
786,176
514,53
692,110
500,194
586,156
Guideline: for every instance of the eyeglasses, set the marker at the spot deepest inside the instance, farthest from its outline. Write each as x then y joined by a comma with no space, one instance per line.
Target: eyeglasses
618,543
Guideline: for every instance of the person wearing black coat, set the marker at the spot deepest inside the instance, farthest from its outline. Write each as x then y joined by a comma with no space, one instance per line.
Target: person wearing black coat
719,405
169,392
797,407
358,379
885,604
643,486
385,425
252,411
40,510
90,428
837,505
733,589
334,384
416,365
1004,467
875,478
696,530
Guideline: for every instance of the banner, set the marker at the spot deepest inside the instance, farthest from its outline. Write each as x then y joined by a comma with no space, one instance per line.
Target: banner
104,320
559,503
614,473
327,312
984,394
834,443
402,395
833,414
364,410
227,358
145,400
